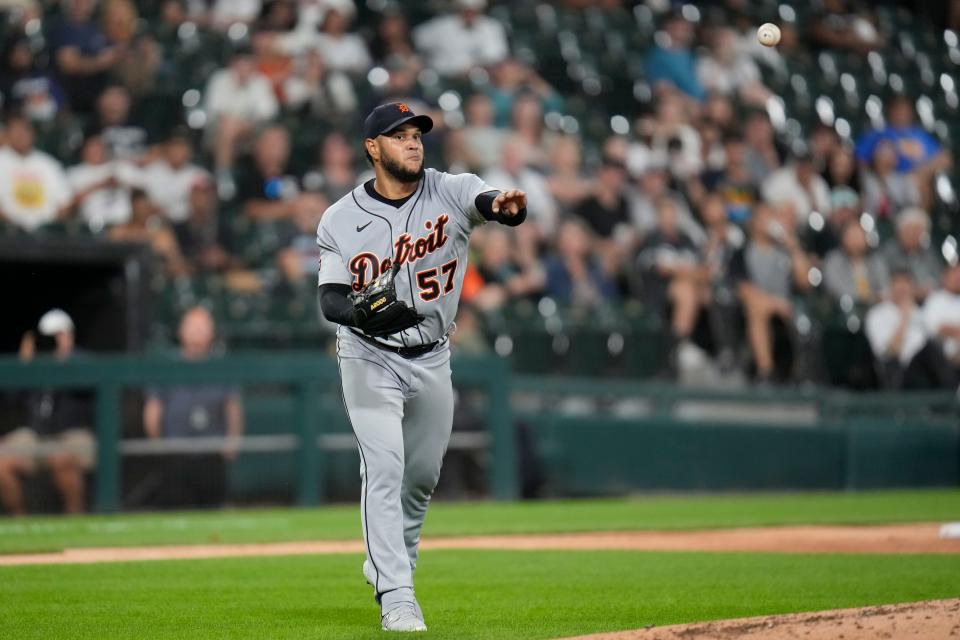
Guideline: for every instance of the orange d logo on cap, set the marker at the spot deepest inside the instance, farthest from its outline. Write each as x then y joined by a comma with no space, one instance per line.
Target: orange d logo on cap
403,107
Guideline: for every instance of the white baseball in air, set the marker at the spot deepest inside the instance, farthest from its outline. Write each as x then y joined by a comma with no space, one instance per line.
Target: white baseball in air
768,34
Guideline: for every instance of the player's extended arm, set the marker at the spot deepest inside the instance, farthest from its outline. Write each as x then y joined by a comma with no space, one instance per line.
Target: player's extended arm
507,207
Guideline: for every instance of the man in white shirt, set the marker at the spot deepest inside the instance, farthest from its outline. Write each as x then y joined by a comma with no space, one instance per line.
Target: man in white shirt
33,187
237,99
455,43
797,185
901,343
229,12
168,181
101,186
340,49
941,311
513,169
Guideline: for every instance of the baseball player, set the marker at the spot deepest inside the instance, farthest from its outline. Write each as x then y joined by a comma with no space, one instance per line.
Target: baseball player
393,253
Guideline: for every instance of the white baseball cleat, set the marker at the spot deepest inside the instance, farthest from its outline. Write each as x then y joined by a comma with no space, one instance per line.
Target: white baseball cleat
404,617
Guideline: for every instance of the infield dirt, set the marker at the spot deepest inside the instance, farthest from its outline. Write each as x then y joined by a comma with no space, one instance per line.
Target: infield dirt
900,538
932,620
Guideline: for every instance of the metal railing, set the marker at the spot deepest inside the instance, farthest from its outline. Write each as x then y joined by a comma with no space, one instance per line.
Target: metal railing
308,374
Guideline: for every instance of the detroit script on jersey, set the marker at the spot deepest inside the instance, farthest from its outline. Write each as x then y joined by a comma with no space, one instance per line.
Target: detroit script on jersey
361,236
366,266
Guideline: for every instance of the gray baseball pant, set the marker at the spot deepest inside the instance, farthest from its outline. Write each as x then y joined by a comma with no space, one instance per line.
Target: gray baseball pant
401,412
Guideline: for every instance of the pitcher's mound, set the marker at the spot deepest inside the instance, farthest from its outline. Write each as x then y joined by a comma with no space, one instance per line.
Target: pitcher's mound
914,621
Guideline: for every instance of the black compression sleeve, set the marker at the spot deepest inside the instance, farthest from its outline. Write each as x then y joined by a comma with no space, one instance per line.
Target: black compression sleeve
335,305
484,204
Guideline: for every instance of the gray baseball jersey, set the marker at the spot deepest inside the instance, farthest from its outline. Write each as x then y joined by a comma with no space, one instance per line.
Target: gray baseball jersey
361,236
401,409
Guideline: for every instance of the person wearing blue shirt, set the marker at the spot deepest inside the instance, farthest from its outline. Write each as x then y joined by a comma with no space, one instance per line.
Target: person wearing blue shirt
574,277
83,56
673,61
914,145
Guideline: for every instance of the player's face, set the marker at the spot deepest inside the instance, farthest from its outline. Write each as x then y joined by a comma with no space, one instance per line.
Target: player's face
401,153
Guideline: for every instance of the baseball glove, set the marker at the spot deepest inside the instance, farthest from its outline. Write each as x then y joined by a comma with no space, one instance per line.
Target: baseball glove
378,312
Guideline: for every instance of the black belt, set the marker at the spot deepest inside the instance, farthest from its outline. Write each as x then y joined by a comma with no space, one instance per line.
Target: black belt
403,352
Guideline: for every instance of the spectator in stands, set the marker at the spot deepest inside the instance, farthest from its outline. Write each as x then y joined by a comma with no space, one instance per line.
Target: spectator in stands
337,166
510,79
393,41
567,181
915,148
674,277
138,56
201,238
299,259
272,191
837,26
826,233
193,411
453,44
672,59
674,143
513,169
229,12
502,273
761,154
238,100
83,56
798,187
734,183
654,186
169,179
941,312
606,210
852,271
711,149
277,16
574,277
841,169
483,138
125,138
101,186
147,226
57,433
340,49
729,70
910,251
886,190
309,14
718,109
314,91
769,268
26,86
901,344
822,142
33,186
724,240
528,126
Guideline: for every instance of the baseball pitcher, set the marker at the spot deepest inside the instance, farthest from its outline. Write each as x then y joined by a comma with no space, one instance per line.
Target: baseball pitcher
393,253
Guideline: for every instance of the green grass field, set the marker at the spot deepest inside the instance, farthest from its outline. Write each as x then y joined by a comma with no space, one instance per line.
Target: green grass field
465,594
448,519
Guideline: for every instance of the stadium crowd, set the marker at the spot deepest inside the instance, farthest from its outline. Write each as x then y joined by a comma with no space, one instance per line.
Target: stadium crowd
699,204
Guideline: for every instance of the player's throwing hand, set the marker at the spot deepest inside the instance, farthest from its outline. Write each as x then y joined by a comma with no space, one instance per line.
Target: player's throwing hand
510,203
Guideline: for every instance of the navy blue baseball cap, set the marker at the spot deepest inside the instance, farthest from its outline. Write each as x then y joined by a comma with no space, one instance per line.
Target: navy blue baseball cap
388,117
